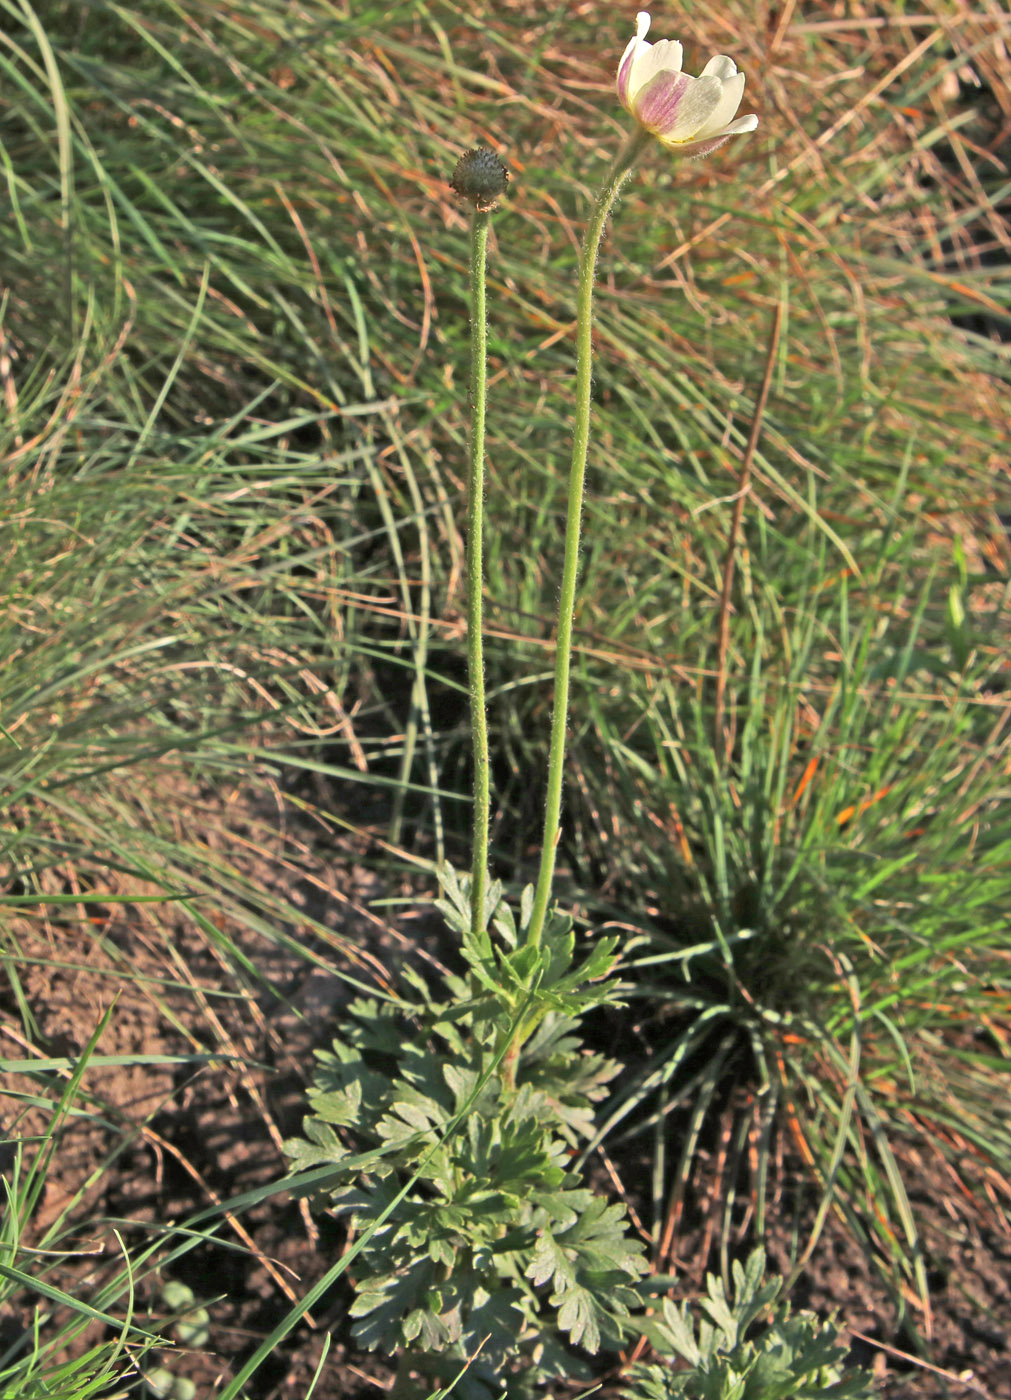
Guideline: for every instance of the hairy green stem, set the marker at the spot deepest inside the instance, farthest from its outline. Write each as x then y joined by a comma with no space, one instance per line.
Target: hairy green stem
570,568
475,567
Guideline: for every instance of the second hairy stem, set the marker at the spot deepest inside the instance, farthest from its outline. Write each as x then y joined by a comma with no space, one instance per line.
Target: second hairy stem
570,567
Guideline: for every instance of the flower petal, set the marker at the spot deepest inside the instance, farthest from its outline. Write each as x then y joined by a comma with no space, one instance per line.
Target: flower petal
741,125
705,144
657,104
719,67
625,73
690,150
726,108
690,112
665,57
636,54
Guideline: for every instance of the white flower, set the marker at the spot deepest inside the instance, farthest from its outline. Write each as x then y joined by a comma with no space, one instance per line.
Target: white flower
691,116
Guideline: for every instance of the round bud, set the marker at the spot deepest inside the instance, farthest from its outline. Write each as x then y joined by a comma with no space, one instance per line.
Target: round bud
481,177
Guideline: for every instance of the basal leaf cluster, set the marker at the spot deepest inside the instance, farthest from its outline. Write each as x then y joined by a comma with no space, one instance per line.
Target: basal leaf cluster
496,1249
731,1355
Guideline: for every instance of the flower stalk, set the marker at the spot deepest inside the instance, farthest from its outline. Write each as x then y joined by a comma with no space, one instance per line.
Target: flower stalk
570,566
690,117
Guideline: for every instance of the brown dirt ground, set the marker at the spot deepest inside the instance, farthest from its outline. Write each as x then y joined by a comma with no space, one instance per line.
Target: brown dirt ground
187,1139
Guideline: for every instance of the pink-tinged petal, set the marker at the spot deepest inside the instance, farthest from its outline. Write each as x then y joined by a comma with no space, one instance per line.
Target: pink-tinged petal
696,106
720,67
691,150
665,57
702,147
726,108
656,105
624,69
635,49
625,73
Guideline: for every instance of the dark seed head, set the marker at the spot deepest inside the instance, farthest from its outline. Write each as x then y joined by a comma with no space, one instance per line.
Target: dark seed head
481,177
